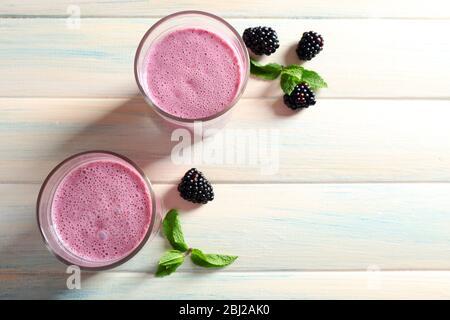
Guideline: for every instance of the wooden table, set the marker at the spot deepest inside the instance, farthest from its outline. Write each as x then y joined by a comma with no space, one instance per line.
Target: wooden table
360,205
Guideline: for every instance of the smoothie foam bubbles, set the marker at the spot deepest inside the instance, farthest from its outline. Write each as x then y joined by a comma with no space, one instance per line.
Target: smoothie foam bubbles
101,210
192,73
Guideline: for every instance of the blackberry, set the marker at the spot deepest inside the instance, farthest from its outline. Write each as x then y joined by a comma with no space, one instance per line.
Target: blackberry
300,97
261,40
195,188
309,45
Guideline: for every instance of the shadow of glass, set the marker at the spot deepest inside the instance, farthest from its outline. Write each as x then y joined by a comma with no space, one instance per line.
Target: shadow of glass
131,129
30,270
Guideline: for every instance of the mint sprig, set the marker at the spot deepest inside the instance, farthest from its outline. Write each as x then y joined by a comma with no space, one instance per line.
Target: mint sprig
290,75
174,258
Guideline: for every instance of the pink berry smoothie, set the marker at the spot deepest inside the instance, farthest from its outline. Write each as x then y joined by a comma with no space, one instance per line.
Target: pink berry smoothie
192,73
101,210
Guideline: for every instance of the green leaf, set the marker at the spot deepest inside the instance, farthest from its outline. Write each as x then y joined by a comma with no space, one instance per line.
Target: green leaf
294,74
313,79
290,77
173,232
211,260
171,257
269,71
169,262
293,70
288,82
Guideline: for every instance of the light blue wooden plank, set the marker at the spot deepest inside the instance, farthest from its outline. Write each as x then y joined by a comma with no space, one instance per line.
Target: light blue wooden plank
336,141
236,285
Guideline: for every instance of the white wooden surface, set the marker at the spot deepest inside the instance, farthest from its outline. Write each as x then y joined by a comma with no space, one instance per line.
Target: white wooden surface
234,8
358,209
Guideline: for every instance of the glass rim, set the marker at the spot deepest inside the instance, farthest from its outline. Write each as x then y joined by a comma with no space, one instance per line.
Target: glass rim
174,15
135,250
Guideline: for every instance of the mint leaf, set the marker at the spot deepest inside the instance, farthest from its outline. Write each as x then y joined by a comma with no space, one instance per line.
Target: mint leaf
165,271
290,77
171,257
211,260
169,262
288,82
294,74
293,70
313,79
173,232
269,71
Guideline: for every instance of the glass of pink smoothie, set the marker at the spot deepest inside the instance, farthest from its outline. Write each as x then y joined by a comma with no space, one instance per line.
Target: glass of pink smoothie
192,66
96,210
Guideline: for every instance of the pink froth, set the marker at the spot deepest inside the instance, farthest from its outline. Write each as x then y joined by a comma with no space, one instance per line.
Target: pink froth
193,73
102,210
